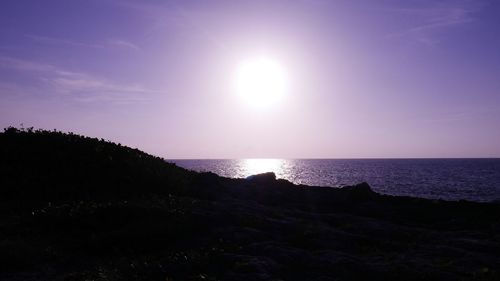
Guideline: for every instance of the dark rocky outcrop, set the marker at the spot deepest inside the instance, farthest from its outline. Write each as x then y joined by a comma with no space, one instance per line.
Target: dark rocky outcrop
263,179
78,208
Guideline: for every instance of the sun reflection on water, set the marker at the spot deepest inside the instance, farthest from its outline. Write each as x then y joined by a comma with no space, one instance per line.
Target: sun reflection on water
257,166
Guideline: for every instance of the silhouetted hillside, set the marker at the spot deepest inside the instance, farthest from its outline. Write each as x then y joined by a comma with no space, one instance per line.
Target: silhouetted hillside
51,165
79,208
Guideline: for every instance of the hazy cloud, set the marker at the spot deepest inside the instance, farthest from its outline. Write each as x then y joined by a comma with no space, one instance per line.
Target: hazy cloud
123,43
174,14
77,85
60,41
25,65
436,17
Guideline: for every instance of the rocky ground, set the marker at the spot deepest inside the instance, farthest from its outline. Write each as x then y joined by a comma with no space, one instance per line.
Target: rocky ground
75,208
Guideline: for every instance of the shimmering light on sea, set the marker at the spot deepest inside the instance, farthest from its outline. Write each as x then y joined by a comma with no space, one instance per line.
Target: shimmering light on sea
451,179
258,166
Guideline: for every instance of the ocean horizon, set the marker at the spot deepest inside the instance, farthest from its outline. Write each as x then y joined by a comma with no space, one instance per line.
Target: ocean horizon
473,179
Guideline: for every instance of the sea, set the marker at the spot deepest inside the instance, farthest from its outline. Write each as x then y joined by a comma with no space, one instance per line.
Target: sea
448,179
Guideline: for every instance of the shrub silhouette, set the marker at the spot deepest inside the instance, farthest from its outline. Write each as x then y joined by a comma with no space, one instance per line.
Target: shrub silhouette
67,166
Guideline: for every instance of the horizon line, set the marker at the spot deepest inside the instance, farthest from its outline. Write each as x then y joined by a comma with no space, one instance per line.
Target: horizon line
343,158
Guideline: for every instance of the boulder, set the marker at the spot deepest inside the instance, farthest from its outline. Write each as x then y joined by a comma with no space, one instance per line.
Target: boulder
264,178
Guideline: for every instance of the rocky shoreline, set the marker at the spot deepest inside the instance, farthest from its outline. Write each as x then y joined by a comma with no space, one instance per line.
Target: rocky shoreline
77,208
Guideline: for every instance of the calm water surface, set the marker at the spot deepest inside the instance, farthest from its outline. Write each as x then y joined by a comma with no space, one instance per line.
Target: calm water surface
450,179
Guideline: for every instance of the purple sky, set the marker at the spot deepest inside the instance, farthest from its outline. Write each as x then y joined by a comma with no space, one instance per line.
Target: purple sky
366,78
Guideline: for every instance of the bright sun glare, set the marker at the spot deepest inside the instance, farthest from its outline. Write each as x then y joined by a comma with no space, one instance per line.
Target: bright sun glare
261,81
257,166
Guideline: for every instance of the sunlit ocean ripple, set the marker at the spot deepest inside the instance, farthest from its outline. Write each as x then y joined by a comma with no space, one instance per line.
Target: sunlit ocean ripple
450,179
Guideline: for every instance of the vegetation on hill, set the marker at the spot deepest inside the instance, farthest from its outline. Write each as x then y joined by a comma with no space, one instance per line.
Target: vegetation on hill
51,165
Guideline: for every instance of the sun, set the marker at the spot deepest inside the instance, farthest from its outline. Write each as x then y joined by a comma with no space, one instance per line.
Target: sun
261,81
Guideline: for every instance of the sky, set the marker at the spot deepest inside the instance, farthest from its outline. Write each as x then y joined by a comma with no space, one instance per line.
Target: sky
364,79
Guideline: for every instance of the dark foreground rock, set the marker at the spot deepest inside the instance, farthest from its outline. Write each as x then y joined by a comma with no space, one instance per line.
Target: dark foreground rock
75,208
